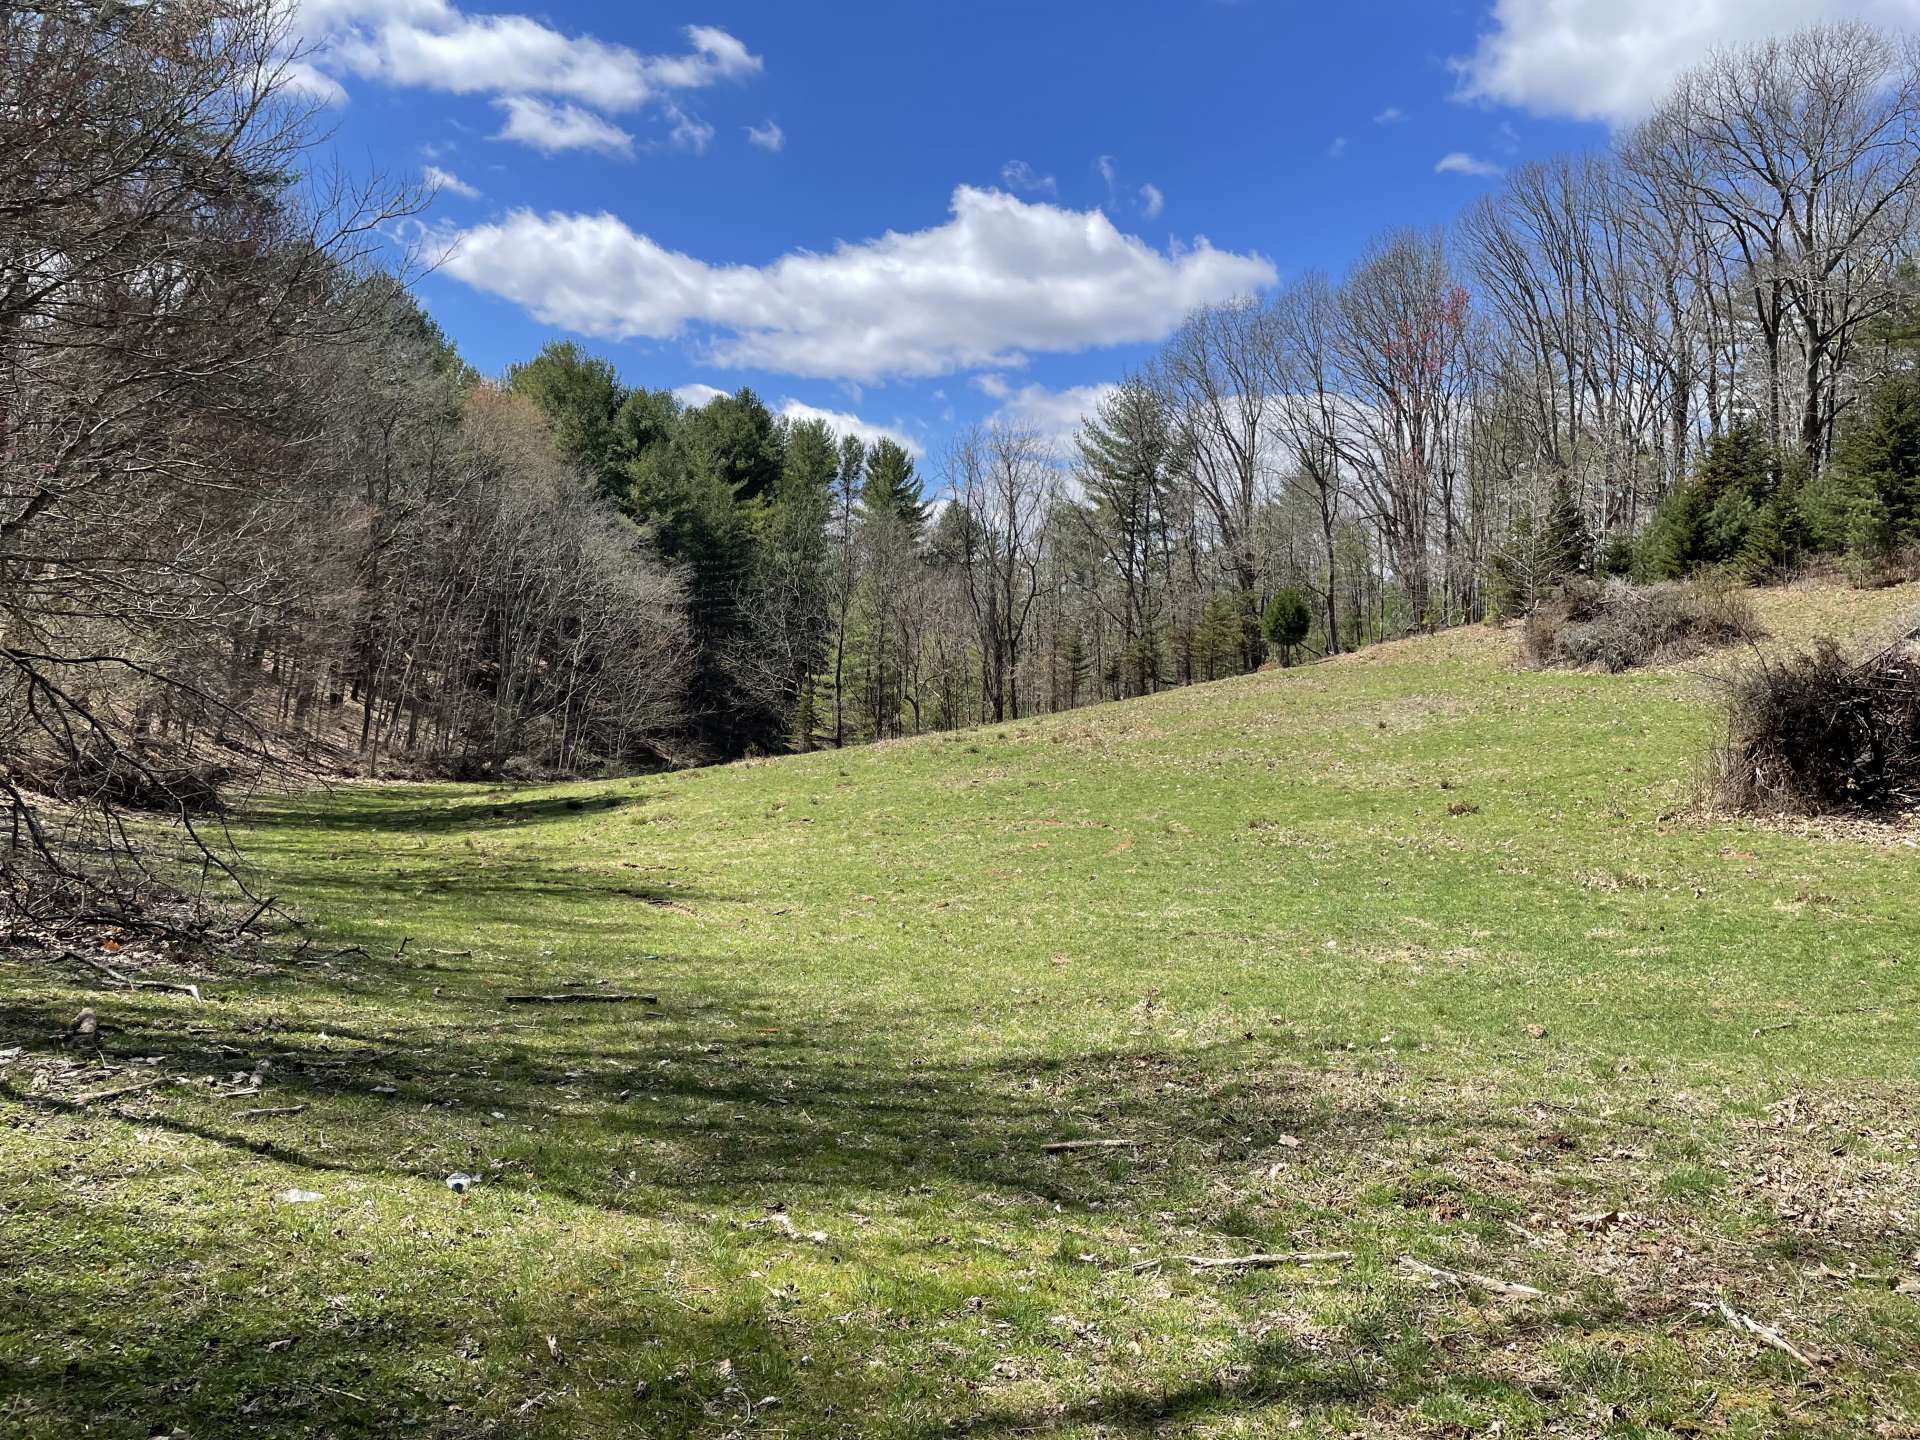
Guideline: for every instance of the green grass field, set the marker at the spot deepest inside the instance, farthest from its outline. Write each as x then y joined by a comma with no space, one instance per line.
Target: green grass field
1411,955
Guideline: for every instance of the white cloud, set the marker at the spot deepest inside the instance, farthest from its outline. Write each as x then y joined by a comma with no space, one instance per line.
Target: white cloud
842,423
298,77
1152,202
688,132
1459,162
1337,149
434,45
696,395
1019,175
768,137
1614,60
1001,278
1053,415
552,128
1392,115
449,183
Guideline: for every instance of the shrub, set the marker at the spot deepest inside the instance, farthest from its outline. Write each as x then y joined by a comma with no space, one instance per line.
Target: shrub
1617,626
1819,734
1614,558
1286,622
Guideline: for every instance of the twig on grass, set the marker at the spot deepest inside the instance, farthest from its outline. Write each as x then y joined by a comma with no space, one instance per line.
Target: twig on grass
258,911
94,1096
1471,1281
606,998
261,1113
1057,1146
1249,1262
1747,1325
129,981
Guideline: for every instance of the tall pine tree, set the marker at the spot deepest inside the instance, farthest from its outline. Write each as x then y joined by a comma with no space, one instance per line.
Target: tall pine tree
891,487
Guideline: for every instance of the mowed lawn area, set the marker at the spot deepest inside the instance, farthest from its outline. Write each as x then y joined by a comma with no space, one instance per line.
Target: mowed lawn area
1411,955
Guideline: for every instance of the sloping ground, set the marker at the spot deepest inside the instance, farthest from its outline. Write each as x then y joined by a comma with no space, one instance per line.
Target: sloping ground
1410,955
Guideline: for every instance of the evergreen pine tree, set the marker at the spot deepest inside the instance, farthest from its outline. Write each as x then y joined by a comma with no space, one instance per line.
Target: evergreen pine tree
1568,541
1706,520
580,395
892,488
1076,667
1869,501
1286,622
1218,643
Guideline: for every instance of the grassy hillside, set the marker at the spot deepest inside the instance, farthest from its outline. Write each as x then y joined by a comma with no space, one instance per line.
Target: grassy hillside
1411,955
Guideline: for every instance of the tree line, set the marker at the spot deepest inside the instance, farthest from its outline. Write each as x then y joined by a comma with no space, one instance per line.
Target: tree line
256,513
252,504
1692,351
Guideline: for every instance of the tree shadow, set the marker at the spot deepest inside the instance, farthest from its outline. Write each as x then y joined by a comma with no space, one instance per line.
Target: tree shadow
699,1103
677,1113
444,810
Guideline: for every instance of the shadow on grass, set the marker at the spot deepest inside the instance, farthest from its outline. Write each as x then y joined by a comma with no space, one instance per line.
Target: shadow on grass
698,1114
437,812
699,1108
136,1304
629,1106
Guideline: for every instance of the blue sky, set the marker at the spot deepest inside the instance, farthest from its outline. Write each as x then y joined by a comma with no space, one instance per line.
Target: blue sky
919,216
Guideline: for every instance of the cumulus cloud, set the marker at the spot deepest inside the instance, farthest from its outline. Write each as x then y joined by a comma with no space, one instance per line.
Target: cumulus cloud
1392,115
1152,202
1001,278
696,395
1613,60
1337,148
768,137
1459,162
1053,415
1019,175
551,128
449,183
435,45
842,423
299,77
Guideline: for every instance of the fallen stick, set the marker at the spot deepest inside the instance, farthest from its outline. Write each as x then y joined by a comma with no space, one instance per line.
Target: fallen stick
1251,1262
258,911
1058,1145
1777,1025
587,998
1472,1281
1746,1324
257,1114
117,1091
130,982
